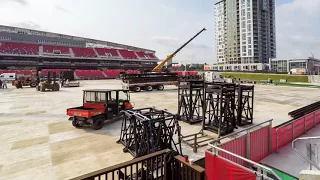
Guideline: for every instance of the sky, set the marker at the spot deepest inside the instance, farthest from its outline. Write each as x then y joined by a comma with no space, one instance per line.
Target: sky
161,25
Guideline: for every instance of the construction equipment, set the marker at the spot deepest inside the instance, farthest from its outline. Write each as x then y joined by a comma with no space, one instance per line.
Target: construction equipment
99,105
148,82
30,80
68,75
159,66
155,79
49,83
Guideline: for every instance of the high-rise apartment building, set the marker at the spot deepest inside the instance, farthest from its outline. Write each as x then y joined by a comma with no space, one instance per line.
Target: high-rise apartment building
245,31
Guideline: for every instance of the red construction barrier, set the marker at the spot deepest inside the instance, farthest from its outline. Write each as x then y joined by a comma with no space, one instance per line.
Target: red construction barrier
259,144
309,121
317,116
274,139
298,127
284,135
220,169
289,132
237,146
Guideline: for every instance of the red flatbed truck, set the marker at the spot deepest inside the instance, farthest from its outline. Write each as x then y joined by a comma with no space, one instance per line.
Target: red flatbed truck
98,105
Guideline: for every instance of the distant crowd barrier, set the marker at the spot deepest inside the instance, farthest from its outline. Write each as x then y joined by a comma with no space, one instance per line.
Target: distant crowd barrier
287,132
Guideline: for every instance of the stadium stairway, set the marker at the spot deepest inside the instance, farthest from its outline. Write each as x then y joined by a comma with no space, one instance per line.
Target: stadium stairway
71,52
137,55
75,75
95,51
40,50
104,74
120,54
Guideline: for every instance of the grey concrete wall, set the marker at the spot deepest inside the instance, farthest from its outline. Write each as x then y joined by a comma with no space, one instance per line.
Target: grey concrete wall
309,175
314,78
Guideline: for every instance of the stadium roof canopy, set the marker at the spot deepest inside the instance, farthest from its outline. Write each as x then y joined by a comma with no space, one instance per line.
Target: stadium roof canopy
11,29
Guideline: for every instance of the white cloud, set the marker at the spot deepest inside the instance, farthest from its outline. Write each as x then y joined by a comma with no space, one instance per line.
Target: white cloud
297,25
63,9
22,2
166,40
28,25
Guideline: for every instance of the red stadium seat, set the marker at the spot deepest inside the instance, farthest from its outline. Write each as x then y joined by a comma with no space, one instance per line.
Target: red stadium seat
144,55
133,72
83,52
107,52
21,72
89,74
126,54
112,73
55,49
44,72
19,48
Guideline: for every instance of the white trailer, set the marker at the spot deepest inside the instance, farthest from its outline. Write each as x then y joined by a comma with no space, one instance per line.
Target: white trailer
8,77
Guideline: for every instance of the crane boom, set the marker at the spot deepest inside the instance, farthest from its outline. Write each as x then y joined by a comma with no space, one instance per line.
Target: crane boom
159,66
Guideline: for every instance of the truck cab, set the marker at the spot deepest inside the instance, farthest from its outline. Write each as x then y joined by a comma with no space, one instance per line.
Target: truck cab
98,105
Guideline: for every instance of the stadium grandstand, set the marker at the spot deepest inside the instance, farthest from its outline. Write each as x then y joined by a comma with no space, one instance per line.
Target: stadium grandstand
38,50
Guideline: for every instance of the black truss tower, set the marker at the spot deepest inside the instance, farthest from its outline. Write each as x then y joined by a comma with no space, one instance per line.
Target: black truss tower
190,100
219,108
148,130
244,104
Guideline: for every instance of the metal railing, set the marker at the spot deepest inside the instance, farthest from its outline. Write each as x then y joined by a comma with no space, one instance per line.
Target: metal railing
181,170
142,167
301,154
292,123
261,169
155,166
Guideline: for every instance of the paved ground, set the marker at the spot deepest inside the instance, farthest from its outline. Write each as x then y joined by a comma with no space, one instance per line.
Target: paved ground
289,161
38,142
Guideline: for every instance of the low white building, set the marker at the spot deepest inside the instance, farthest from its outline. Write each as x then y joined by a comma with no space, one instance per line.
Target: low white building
238,67
310,65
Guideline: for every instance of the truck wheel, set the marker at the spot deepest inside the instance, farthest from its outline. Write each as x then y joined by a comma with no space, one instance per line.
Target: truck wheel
136,89
56,87
75,123
33,84
160,87
149,88
97,124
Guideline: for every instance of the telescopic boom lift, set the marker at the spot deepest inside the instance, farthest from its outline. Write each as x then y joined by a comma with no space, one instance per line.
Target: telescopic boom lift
159,66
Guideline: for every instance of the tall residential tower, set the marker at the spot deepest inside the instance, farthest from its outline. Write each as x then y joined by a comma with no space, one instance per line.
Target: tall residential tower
245,31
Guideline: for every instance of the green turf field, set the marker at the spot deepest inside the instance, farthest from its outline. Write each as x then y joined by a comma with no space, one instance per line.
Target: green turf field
261,77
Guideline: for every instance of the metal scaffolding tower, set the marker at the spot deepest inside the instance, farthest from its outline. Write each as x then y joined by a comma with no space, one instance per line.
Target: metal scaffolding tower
219,108
190,100
148,130
244,104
